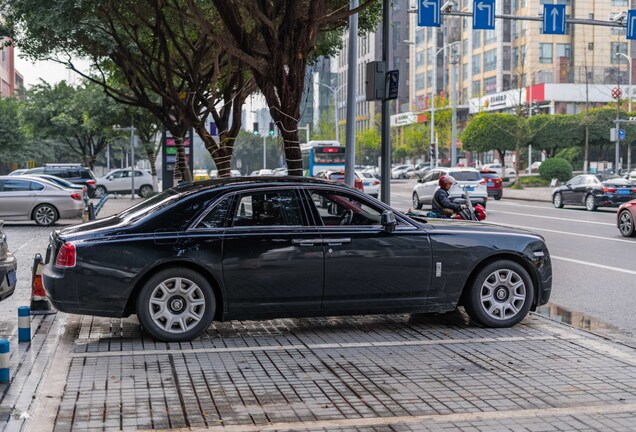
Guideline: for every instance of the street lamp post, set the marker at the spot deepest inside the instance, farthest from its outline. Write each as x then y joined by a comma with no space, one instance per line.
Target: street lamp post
435,90
132,130
629,102
334,91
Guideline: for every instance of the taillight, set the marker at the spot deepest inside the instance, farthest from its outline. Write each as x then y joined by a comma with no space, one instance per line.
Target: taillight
90,182
376,182
66,256
76,196
606,189
482,182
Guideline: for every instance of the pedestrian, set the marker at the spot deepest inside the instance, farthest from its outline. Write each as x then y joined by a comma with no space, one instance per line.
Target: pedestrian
442,206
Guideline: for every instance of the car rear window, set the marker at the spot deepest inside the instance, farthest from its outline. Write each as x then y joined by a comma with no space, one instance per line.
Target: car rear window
466,175
489,175
336,176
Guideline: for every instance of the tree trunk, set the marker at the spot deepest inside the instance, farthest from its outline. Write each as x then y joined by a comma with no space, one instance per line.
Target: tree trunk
181,169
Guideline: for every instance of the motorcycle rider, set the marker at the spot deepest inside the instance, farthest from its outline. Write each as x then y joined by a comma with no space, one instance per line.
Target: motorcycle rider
441,204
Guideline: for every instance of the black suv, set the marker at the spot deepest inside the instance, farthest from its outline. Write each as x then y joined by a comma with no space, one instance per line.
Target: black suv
75,173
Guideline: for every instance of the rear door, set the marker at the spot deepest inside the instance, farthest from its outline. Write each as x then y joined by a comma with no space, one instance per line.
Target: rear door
17,198
366,268
272,258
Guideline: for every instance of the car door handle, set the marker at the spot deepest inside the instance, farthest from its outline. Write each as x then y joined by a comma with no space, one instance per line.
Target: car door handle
307,242
337,242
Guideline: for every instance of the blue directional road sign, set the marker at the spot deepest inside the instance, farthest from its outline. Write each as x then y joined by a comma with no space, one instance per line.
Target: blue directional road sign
621,134
631,24
484,14
428,14
554,19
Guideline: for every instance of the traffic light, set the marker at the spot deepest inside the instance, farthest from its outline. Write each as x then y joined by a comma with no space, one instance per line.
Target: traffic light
255,130
432,151
271,129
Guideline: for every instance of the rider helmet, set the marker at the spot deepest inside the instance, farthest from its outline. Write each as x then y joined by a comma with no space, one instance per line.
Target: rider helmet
445,179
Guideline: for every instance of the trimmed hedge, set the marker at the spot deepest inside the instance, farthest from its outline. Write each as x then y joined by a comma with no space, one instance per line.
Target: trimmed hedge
556,168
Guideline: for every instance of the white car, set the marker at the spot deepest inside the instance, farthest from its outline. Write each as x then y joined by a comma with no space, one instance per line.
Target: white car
403,172
468,181
262,172
370,183
119,182
508,172
632,177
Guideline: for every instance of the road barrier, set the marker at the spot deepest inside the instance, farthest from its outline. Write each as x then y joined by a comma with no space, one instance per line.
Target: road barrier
24,324
39,303
100,204
4,361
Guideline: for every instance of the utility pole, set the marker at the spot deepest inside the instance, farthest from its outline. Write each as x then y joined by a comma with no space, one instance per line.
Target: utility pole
350,148
385,169
454,60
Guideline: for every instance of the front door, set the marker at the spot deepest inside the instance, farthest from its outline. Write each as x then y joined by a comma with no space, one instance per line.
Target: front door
366,268
272,259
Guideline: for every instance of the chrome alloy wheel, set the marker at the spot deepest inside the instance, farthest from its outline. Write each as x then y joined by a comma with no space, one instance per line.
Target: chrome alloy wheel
176,305
45,215
626,224
503,294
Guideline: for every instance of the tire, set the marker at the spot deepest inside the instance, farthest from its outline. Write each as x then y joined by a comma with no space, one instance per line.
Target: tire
626,224
176,305
500,295
416,201
498,197
590,204
100,191
45,215
145,190
557,200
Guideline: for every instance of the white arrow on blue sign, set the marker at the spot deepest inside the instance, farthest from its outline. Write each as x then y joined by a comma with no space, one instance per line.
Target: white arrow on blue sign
621,134
428,14
553,19
631,24
484,14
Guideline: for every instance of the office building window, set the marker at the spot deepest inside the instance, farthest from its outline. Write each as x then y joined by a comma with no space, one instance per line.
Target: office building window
476,88
563,50
545,53
419,36
419,81
490,60
619,3
618,47
476,38
515,57
419,59
464,71
490,85
490,36
476,64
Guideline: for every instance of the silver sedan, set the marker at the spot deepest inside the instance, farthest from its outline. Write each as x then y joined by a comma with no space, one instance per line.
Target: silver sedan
34,198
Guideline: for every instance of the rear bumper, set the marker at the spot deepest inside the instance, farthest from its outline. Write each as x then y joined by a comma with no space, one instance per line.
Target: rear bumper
8,268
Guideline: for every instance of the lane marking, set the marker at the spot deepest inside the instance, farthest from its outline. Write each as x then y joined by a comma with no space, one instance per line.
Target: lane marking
601,266
620,240
306,347
430,420
556,218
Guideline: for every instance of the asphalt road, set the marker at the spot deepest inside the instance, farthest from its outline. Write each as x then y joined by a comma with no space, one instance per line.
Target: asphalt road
594,266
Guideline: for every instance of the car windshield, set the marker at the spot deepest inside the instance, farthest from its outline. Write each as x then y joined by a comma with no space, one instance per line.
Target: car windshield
466,175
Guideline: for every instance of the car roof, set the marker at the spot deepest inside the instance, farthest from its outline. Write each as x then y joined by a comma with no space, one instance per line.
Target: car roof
36,178
252,181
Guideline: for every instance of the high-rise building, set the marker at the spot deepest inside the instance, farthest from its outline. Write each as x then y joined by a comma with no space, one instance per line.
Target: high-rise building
10,79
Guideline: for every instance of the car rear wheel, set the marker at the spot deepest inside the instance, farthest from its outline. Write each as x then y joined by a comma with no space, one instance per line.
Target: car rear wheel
176,305
416,201
45,215
557,200
497,197
626,224
145,190
100,191
590,204
500,295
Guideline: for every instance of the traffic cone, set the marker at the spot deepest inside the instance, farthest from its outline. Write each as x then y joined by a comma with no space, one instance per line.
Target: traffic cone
39,303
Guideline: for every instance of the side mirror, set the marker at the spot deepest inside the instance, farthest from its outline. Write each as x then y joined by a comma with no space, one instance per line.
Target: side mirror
388,221
109,178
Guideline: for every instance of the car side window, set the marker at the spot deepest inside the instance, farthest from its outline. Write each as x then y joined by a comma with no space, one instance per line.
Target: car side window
16,185
37,186
276,208
338,209
218,215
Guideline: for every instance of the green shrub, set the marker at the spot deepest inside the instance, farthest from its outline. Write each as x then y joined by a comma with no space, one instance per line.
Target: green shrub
534,181
556,168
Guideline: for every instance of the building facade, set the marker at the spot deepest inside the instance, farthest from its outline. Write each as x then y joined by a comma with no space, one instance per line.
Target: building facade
10,79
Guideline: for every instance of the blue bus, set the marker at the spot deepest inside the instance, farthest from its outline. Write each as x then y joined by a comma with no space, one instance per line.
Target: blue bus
322,155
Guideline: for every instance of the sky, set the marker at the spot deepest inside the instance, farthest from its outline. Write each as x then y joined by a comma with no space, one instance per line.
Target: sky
49,71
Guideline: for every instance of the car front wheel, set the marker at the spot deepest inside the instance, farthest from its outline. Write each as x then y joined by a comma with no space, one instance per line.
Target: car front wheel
416,201
557,200
590,204
176,305
45,215
145,190
500,295
626,224
100,191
